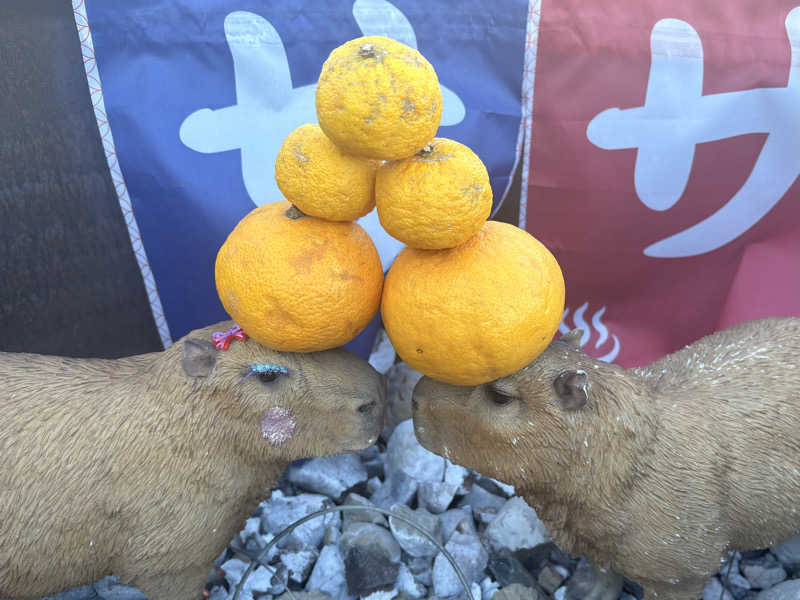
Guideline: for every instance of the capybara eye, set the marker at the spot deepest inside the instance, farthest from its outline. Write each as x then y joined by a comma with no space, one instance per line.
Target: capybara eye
500,395
267,377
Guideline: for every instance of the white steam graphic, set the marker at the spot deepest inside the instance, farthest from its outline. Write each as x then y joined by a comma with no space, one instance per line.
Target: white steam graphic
597,325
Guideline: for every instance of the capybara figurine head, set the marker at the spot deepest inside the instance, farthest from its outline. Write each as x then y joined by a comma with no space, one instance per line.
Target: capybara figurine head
284,404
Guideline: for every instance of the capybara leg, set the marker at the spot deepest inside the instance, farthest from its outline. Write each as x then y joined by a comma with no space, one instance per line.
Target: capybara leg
175,585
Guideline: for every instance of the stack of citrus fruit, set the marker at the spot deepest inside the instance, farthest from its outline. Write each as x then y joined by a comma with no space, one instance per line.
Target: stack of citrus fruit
467,301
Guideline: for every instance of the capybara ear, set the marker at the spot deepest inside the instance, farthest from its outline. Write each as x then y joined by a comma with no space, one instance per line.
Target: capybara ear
573,338
571,389
199,357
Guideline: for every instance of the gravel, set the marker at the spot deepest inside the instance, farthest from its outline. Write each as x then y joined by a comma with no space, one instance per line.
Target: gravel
516,526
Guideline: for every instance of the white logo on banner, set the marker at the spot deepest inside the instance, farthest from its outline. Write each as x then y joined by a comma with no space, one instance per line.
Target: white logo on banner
676,116
268,107
597,325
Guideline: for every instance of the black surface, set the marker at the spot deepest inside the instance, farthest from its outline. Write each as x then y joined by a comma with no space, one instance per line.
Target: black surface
69,282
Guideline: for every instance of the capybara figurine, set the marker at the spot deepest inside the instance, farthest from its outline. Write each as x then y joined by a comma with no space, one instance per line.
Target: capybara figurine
145,467
656,472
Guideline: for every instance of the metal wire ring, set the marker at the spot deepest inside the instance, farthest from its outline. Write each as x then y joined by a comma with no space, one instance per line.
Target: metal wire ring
260,559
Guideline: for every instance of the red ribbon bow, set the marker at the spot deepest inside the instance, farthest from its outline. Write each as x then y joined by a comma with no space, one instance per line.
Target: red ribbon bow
223,339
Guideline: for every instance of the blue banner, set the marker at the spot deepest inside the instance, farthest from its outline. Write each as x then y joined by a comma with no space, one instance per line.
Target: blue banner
200,95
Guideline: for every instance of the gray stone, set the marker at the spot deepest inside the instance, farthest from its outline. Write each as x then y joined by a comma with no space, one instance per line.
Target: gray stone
382,595
404,453
281,511
313,595
332,536
733,579
436,496
414,542
451,518
788,553
257,543
507,489
590,582
268,581
374,483
383,355
626,596
421,567
299,563
788,590
550,579
251,529
488,588
368,572
330,475
456,475
516,527
234,569
372,538
507,569
715,591
485,505
560,593
220,593
398,488
408,585
470,556
260,580
400,382
763,572
375,469
371,453
361,516
328,574
477,592
85,592
516,591
109,588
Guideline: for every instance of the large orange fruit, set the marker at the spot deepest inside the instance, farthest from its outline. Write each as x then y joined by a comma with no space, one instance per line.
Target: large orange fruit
378,98
438,198
298,283
471,314
321,180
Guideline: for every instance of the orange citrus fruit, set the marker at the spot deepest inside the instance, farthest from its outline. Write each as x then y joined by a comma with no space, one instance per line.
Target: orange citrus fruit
477,312
438,198
321,180
378,98
298,283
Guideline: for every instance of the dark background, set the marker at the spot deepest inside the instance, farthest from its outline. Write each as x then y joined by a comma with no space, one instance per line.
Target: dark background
69,282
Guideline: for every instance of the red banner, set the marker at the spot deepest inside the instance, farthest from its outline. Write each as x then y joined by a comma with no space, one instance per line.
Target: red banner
664,162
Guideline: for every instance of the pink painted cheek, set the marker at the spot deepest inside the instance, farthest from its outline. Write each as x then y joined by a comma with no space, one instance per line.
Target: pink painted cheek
277,425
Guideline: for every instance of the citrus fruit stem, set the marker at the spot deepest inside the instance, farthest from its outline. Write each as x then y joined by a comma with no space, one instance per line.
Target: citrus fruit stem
294,213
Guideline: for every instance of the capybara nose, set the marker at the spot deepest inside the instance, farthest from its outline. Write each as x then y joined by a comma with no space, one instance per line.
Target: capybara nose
367,407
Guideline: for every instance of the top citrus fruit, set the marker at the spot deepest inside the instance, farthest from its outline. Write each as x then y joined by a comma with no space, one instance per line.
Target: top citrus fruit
471,314
298,283
438,198
378,98
321,180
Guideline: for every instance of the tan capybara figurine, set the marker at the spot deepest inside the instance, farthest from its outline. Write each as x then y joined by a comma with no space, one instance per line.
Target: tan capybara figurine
656,472
145,467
